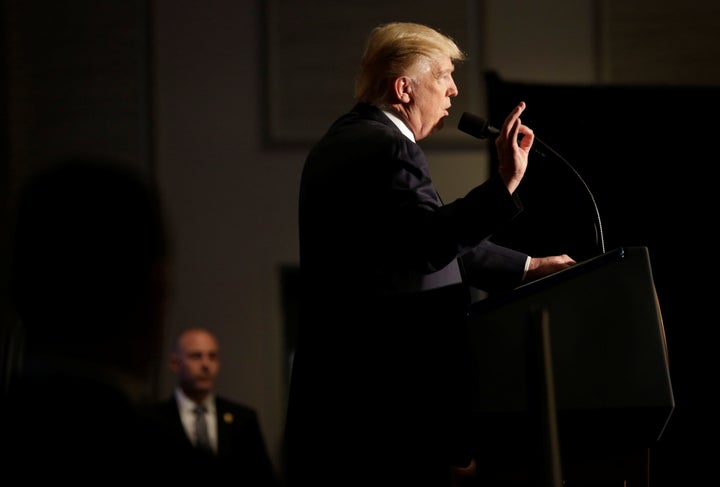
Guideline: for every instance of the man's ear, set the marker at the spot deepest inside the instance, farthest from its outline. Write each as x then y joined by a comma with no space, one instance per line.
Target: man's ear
403,89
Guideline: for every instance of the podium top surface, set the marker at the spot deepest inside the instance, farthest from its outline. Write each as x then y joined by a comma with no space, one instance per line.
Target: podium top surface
614,255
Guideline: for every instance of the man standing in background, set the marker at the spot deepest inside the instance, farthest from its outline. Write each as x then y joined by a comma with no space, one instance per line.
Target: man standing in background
227,430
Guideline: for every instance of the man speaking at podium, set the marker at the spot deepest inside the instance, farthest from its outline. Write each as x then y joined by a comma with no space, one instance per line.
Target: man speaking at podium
380,390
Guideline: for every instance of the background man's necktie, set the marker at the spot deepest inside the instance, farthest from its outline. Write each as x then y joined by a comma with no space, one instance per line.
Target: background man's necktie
202,440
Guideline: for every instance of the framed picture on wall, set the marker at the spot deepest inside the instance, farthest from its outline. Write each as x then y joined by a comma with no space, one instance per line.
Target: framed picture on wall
313,50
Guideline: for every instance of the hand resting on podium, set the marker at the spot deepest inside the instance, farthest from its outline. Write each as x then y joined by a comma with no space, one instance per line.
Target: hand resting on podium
544,266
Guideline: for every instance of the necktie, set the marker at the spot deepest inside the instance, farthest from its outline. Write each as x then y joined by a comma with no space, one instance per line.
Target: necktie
202,439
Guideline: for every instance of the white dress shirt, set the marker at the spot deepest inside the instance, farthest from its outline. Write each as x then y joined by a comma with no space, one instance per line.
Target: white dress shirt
187,406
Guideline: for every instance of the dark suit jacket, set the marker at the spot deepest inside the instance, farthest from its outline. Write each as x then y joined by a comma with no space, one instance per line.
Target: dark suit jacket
242,454
380,386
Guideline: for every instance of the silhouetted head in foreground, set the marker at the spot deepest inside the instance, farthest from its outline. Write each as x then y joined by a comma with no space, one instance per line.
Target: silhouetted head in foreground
88,276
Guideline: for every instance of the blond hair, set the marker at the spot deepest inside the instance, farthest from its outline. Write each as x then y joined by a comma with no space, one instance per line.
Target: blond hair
396,49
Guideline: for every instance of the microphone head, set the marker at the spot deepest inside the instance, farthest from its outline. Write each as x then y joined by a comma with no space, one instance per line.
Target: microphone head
476,126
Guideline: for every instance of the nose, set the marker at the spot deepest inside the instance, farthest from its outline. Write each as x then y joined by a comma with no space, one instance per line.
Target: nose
452,89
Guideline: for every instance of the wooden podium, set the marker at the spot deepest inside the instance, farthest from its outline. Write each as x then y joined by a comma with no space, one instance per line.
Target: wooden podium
573,377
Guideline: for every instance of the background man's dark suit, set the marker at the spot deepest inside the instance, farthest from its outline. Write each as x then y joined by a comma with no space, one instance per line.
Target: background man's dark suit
241,453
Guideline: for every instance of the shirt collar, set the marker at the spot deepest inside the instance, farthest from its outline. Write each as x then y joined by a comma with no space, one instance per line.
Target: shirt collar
187,403
400,124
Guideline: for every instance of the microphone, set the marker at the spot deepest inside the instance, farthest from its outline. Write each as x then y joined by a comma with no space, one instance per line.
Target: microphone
476,126
480,128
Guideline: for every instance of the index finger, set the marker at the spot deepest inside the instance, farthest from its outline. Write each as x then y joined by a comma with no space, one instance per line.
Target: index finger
511,122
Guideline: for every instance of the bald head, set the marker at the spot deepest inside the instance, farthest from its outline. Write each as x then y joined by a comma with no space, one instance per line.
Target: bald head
195,360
